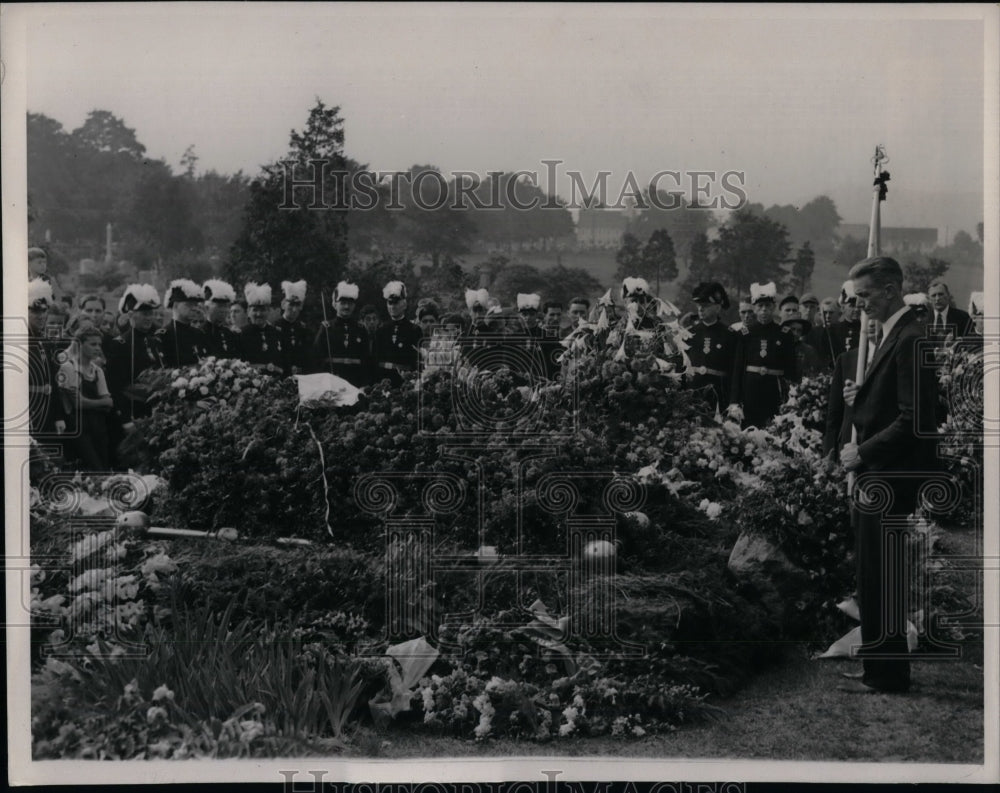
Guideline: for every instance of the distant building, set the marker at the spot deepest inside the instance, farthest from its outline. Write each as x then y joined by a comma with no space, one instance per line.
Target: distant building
896,238
602,228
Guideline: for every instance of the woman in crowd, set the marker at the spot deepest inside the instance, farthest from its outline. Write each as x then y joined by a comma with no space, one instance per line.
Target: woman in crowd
86,400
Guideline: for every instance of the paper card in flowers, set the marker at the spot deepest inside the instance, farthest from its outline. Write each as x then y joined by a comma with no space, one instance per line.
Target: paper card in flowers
326,389
408,662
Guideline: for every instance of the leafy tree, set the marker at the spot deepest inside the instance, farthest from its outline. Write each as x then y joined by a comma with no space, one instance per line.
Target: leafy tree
105,132
659,260
428,223
163,213
805,263
514,278
917,276
628,257
276,243
750,248
683,223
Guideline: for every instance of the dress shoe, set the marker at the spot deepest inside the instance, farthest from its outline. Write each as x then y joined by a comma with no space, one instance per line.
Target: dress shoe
852,675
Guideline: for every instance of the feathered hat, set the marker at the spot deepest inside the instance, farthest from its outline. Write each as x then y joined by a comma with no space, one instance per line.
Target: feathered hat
218,291
138,296
977,303
40,295
474,297
528,301
633,287
182,290
345,291
915,299
395,289
257,294
847,292
711,292
294,291
760,292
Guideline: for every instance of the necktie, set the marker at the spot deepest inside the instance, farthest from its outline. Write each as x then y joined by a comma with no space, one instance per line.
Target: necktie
938,322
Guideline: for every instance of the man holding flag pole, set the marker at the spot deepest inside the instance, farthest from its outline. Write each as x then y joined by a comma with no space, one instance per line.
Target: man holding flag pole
890,453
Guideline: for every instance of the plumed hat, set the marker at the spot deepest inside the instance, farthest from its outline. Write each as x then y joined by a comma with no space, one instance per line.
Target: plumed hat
977,303
760,292
474,297
710,292
138,296
633,287
218,291
915,299
40,295
294,291
528,301
394,289
257,294
182,290
345,291
847,292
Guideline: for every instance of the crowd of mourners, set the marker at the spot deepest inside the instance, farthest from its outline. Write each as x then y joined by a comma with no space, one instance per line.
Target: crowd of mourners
86,360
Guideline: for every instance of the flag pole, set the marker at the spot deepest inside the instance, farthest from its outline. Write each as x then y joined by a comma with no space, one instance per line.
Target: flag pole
874,248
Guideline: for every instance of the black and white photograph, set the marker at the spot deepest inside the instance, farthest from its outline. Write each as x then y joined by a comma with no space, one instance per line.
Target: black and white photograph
482,393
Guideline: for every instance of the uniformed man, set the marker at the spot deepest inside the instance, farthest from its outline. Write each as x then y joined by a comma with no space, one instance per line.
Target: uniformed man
640,303
181,343
712,345
535,358
397,342
221,341
45,412
847,331
341,345
260,343
765,363
295,337
132,353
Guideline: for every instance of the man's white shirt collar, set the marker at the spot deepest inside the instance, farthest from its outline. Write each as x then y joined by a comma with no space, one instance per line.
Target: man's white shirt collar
890,323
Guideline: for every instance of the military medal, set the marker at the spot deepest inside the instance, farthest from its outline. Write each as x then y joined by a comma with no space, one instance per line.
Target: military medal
708,345
763,348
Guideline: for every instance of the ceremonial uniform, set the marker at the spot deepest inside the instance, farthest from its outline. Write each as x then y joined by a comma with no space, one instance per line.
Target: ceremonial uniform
129,356
765,362
342,349
261,344
826,344
182,344
711,349
44,405
397,349
295,340
845,336
222,342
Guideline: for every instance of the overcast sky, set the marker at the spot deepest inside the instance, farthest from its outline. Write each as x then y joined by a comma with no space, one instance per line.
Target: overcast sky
797,103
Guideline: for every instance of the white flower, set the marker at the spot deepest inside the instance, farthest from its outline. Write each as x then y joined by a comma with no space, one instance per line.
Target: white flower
156,714
638,731
180,382
713,510
162,693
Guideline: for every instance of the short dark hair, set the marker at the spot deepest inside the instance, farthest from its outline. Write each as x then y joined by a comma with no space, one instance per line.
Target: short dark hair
88,331
428,309
581,300
552,304
87,298
367,309
883,270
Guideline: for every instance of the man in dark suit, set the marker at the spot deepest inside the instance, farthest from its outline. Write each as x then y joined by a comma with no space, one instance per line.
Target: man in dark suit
894,416
839,414
944,318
